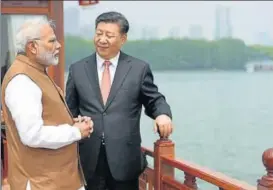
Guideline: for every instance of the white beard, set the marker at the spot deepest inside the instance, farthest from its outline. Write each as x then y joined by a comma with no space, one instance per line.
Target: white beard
48,58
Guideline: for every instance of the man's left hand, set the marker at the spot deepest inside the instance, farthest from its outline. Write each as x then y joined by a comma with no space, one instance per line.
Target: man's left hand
163,123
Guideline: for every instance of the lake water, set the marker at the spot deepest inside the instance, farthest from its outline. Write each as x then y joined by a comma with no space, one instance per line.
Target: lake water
223,120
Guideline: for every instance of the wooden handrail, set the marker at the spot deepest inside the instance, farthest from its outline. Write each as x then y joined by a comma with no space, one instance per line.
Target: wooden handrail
215,178
147,151
171,183
163,178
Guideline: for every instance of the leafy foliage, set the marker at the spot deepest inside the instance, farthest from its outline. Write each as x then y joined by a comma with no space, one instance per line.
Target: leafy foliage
178,54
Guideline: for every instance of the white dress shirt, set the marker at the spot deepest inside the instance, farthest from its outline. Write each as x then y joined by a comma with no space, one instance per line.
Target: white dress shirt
112,67
24,101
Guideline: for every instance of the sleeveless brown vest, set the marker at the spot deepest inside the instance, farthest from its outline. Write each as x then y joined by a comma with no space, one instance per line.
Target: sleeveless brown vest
45,169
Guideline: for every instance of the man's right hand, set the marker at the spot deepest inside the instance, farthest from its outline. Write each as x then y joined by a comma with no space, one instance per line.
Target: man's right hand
85,128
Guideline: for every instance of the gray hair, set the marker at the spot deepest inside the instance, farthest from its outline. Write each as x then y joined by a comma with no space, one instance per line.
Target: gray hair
30,30
114,17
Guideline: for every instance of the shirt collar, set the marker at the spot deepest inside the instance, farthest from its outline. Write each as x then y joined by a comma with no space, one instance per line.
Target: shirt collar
100,60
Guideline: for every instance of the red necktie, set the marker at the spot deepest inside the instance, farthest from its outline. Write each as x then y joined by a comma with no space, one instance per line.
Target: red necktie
105,81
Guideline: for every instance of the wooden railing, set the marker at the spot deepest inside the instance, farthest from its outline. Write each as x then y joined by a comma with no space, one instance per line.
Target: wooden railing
162,175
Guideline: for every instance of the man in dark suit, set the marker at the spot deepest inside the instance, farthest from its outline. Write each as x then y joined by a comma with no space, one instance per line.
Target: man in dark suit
111,87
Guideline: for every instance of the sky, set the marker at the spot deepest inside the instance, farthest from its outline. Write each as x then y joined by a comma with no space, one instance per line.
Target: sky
247,17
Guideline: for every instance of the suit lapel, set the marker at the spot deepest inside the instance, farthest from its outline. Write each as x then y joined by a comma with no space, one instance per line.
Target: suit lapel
122,70
92,73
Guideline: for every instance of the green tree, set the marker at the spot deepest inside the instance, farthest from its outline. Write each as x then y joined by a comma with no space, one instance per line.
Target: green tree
178,54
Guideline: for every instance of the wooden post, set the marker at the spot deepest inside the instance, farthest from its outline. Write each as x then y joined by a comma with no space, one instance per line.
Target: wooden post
162,147
56,13
266,182
4,164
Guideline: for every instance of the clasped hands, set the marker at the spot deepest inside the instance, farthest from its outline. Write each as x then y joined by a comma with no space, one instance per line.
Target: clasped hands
85,125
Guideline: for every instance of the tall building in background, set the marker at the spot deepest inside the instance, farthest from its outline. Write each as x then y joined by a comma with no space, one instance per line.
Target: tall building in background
149,33
174,32
195,32
223,28
263,38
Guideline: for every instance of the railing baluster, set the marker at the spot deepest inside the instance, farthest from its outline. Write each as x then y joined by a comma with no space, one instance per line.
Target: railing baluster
190,181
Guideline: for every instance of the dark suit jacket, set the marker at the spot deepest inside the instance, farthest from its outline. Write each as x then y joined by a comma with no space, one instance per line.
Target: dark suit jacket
119,119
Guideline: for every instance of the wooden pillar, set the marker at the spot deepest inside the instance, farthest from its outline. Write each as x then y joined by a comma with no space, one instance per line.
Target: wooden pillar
5,163
56,14
266,182
162,147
